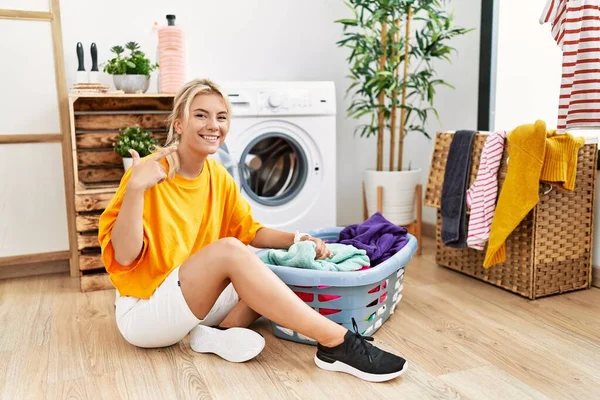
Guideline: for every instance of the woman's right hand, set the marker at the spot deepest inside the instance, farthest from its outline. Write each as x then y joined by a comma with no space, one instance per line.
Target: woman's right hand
146,174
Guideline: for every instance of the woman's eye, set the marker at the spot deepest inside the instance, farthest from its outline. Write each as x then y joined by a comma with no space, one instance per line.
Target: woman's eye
200,115
223,118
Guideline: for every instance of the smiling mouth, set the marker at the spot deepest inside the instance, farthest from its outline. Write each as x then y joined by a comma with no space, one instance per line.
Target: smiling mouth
210,138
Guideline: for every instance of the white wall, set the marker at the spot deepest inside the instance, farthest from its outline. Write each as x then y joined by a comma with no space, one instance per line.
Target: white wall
32,198
277,40
528,66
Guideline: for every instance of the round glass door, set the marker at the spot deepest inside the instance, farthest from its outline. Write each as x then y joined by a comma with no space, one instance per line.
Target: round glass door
273,169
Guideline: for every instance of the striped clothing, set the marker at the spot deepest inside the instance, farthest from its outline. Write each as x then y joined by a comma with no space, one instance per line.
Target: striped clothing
576,29
481,196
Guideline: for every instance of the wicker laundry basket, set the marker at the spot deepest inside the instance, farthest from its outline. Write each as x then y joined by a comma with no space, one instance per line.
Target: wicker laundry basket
550,251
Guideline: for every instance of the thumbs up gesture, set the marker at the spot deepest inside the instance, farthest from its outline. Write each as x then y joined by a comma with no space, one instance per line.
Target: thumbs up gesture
148,173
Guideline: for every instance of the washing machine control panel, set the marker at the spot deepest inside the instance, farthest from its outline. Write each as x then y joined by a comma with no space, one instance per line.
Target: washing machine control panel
295,102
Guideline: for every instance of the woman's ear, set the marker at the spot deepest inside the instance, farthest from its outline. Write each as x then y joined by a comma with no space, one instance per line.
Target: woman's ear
177,126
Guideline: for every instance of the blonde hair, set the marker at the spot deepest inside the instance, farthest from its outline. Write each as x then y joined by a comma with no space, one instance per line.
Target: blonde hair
181,111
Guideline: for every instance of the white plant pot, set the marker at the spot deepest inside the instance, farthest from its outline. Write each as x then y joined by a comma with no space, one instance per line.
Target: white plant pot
399,198
132,83
127,162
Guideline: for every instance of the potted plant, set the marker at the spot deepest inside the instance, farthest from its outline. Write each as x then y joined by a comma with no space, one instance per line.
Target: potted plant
131,73
381,41
133,138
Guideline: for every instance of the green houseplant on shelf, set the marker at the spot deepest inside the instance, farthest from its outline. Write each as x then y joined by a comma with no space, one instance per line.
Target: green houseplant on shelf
131,72
394,45
133,138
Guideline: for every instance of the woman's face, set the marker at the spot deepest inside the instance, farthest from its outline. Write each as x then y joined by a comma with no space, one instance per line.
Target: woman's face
207,127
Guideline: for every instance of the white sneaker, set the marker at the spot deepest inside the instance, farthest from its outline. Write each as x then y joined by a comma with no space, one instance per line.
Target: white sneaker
231,344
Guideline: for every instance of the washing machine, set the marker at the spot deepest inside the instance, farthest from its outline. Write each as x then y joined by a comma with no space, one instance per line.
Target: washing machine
282,141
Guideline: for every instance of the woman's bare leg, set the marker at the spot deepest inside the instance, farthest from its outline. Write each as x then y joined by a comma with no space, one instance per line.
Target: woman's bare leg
240,316
205,274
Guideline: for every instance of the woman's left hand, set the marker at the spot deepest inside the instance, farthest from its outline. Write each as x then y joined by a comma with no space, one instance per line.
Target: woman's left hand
322,251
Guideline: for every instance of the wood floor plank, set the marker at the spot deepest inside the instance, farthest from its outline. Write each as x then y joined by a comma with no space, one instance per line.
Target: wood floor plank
491,382
189,383
5,357
26,309
79,345
571,312
416,383
26,373
525,324
97,326
424,345
108,386
528,324
67,347
156,382
451,311
73,389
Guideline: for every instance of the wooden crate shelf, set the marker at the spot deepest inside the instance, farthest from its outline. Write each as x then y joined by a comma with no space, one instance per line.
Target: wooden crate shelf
95,281
90,262
96,120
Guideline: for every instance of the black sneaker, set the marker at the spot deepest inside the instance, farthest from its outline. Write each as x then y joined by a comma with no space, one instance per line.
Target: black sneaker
357,357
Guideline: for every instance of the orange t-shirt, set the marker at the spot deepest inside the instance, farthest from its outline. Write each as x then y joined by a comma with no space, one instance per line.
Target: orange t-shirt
180,217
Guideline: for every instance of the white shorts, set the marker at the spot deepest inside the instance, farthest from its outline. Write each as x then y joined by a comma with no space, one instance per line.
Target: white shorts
165,318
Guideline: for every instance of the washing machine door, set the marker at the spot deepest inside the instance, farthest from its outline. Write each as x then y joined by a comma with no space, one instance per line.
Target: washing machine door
281,174
273,169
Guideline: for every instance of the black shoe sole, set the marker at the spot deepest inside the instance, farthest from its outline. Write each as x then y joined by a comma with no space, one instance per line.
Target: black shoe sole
339,366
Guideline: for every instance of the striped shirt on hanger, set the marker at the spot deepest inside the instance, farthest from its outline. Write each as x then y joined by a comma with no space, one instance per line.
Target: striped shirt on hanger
576,29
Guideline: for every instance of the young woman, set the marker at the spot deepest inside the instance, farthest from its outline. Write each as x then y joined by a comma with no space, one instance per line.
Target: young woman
174,240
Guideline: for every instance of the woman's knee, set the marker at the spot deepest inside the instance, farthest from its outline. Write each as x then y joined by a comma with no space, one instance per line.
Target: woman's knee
231,244
231,249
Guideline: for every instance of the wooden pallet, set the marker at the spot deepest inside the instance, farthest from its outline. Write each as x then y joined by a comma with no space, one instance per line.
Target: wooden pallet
96,119
89,204
95,122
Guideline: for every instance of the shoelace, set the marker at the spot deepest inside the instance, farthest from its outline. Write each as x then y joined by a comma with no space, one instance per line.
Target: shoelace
362,339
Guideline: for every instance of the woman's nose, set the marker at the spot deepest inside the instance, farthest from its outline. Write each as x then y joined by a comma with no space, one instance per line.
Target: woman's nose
212,124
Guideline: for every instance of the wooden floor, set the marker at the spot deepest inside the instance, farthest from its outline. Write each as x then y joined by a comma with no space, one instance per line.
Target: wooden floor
463,339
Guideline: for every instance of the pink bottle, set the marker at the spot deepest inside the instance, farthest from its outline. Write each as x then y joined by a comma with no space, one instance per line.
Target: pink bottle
171,57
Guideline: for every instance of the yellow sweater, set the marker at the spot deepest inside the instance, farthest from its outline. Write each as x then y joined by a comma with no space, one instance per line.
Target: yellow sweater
533,155
180,217
560,163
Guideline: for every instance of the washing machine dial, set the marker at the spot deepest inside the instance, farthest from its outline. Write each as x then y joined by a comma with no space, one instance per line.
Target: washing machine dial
275,100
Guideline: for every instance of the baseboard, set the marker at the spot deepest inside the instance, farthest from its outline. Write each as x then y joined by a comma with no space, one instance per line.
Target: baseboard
428,230
37,268
596,276
35,258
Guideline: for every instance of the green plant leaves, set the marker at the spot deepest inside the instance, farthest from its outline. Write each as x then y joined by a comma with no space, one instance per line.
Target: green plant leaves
431,32
117,50
135,63
134,138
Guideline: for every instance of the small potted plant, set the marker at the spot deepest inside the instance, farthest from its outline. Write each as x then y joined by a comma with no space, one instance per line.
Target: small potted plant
131,72
133,138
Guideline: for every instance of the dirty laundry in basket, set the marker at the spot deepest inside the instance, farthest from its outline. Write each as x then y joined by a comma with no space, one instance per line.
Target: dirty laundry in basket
302,255
378,236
